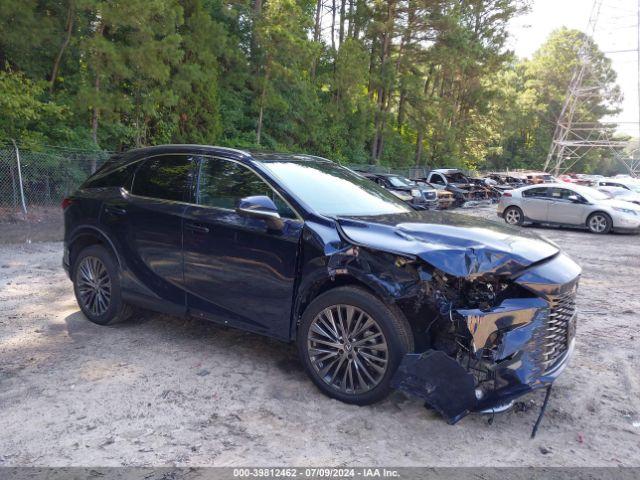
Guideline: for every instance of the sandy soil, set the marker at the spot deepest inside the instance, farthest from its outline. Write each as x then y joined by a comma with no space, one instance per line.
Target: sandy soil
166,391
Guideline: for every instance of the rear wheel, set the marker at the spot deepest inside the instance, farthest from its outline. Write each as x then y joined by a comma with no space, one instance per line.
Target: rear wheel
96,284
351,344
514,216
599,222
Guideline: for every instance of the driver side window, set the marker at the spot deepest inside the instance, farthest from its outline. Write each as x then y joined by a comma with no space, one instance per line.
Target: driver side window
222,183
563,194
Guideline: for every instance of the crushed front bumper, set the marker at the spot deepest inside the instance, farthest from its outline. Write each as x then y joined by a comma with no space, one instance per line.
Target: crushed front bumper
522,344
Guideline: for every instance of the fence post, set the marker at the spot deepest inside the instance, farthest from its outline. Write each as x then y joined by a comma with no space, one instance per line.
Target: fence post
24,205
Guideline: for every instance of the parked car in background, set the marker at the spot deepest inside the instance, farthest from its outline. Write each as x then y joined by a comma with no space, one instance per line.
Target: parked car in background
624,194
569,205
463,313
446,200
577,178
536,178
422,195
411,196
463,188
505,181
611,184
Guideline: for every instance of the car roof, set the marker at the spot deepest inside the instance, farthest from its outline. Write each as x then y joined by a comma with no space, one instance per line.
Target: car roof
237,154
447,170
547,185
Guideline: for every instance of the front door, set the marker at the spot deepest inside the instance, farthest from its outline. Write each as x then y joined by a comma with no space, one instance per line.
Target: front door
237,270
564,211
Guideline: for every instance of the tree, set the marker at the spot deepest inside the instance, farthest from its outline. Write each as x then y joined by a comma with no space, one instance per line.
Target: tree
536,91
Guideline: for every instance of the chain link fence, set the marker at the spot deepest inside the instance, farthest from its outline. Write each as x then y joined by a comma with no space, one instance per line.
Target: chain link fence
32,180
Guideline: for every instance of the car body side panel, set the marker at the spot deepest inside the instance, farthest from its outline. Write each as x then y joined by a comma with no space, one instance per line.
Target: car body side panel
239,271
536,209
567,212
149,236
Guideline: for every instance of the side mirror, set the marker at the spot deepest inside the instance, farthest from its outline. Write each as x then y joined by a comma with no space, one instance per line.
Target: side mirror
262,207
574,198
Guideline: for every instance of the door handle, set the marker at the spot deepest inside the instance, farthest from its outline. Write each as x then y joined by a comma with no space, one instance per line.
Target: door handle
115,210
196,227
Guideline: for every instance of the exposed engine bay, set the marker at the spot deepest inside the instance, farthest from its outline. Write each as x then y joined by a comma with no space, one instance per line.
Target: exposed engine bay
488,339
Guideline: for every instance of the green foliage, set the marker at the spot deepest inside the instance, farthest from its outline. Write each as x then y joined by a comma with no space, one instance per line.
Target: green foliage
399,82
26,114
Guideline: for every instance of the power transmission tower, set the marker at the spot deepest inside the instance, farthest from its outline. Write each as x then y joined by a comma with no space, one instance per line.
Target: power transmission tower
573,139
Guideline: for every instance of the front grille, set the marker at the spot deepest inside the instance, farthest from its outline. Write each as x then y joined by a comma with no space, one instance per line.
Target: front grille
559,328
430,195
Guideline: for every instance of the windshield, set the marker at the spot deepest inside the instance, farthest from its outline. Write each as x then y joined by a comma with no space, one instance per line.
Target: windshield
400,182
590,193
332,190
456,177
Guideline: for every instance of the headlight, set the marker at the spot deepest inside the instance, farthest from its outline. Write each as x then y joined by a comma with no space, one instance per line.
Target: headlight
415,192
628,211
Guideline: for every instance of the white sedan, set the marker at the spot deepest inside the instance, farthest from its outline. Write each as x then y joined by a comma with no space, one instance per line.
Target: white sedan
569,205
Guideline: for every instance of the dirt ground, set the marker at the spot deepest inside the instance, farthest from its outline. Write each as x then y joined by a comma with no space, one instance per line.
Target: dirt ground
173,392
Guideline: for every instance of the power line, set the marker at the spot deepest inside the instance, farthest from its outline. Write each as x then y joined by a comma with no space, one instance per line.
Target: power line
574,138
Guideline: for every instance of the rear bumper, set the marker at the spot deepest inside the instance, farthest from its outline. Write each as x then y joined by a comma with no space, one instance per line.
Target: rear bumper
65,261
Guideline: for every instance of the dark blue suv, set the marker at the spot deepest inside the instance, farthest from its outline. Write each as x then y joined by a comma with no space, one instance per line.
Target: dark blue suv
466,314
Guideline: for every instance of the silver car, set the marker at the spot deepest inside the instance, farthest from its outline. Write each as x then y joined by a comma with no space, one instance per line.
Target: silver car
569,205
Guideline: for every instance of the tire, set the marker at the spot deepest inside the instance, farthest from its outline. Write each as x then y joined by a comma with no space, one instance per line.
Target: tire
599,222
107,306
514,216
365,383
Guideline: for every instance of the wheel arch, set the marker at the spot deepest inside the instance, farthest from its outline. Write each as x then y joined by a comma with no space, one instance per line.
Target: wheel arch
322,285
313,290
86,236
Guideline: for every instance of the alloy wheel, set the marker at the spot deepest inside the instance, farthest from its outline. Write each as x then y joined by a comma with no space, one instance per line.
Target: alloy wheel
512,216
347,349
94,285
598,223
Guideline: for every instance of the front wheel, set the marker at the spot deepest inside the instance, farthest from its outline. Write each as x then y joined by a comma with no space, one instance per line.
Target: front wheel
351,344
599,222
96,284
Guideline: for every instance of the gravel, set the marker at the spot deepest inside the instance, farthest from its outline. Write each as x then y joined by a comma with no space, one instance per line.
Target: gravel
167,391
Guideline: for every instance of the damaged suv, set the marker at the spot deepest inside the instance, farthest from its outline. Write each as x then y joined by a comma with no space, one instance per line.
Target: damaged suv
465,314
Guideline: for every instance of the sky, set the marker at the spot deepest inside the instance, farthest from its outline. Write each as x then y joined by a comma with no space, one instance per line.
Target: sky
616,29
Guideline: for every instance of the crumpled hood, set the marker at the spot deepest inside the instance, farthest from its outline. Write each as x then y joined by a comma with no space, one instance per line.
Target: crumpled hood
455,244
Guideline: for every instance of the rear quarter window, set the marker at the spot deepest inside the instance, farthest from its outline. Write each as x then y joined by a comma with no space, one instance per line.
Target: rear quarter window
113,177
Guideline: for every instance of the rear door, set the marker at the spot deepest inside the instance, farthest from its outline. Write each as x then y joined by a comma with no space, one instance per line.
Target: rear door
535,203
237,270
562,210
147,221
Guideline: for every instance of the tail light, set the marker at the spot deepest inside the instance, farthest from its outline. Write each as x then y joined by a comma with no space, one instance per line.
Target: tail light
66,203
507,194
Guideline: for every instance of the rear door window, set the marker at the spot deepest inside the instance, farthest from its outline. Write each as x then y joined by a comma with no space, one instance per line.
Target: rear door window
165,177
536,192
